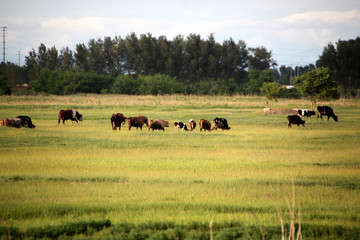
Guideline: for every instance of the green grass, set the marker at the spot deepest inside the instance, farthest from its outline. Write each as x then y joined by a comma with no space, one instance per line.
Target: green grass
58,174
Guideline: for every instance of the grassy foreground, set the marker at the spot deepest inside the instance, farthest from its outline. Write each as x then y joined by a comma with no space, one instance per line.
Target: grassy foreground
172,184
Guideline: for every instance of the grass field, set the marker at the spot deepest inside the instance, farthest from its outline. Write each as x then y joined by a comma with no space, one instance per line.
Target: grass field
56,175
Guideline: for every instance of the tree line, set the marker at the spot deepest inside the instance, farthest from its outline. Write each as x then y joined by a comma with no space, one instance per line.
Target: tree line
131,65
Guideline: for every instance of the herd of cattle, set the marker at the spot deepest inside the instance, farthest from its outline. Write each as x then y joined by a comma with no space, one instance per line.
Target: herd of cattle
118,119
321,111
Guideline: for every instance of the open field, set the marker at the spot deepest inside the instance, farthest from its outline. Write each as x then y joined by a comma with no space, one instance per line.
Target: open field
54,175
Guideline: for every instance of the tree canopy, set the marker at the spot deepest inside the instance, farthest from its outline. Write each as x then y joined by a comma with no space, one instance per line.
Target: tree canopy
318,84
344,59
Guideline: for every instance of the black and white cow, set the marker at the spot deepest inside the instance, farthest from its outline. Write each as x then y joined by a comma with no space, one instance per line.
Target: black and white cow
327,111
295,119
306,113
220,123
181,125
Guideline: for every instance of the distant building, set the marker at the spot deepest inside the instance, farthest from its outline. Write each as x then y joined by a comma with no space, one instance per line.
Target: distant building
289,86
22,87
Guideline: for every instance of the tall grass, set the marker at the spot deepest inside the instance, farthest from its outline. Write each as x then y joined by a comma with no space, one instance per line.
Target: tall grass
55,174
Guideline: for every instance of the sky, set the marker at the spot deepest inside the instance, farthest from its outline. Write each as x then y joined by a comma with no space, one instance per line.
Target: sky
295,31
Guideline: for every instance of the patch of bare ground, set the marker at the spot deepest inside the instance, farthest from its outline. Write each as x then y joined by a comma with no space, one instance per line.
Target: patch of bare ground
279,111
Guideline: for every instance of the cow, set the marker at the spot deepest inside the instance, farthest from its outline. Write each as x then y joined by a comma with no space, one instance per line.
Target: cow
11,122
158,124
26,121
146,121
137,122
192,124
327,111
204,124
71,114
295,119
220,123
116,120
307,113
181,125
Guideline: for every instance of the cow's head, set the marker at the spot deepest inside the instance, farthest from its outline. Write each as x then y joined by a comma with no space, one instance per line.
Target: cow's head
79,116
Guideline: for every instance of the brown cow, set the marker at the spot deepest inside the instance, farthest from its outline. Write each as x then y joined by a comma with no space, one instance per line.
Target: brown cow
204,124
137,122
116,120
73,115
146,121
192,124
158,124
11,122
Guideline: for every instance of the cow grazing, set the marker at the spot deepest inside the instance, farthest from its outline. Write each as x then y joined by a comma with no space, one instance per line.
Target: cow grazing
220,123
192,124
306,113
72,115
327,111
146,121
181,125
204,124
158,124
137,122
26,121
295,119
11,122
116,120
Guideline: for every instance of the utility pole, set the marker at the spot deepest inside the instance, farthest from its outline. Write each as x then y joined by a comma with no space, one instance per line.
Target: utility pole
4,31
291,74
19,58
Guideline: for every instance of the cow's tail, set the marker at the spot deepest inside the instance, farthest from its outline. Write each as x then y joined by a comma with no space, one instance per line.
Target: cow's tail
59,117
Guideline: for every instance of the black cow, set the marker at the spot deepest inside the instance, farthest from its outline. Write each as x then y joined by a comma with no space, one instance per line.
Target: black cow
72,115
220,123
181,125
327,111
116,120
306,113
295,119
26,121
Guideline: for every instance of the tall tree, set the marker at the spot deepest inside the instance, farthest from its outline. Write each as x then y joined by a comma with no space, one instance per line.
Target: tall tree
82,58
260,58
192,57
177,51
32,66
319,84
52,62
97,56
66,59
133,65
344,59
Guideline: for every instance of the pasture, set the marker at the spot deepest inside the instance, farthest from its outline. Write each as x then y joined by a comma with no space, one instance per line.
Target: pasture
60,175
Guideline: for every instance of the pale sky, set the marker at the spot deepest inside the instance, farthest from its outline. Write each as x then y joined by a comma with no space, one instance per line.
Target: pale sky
296,31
